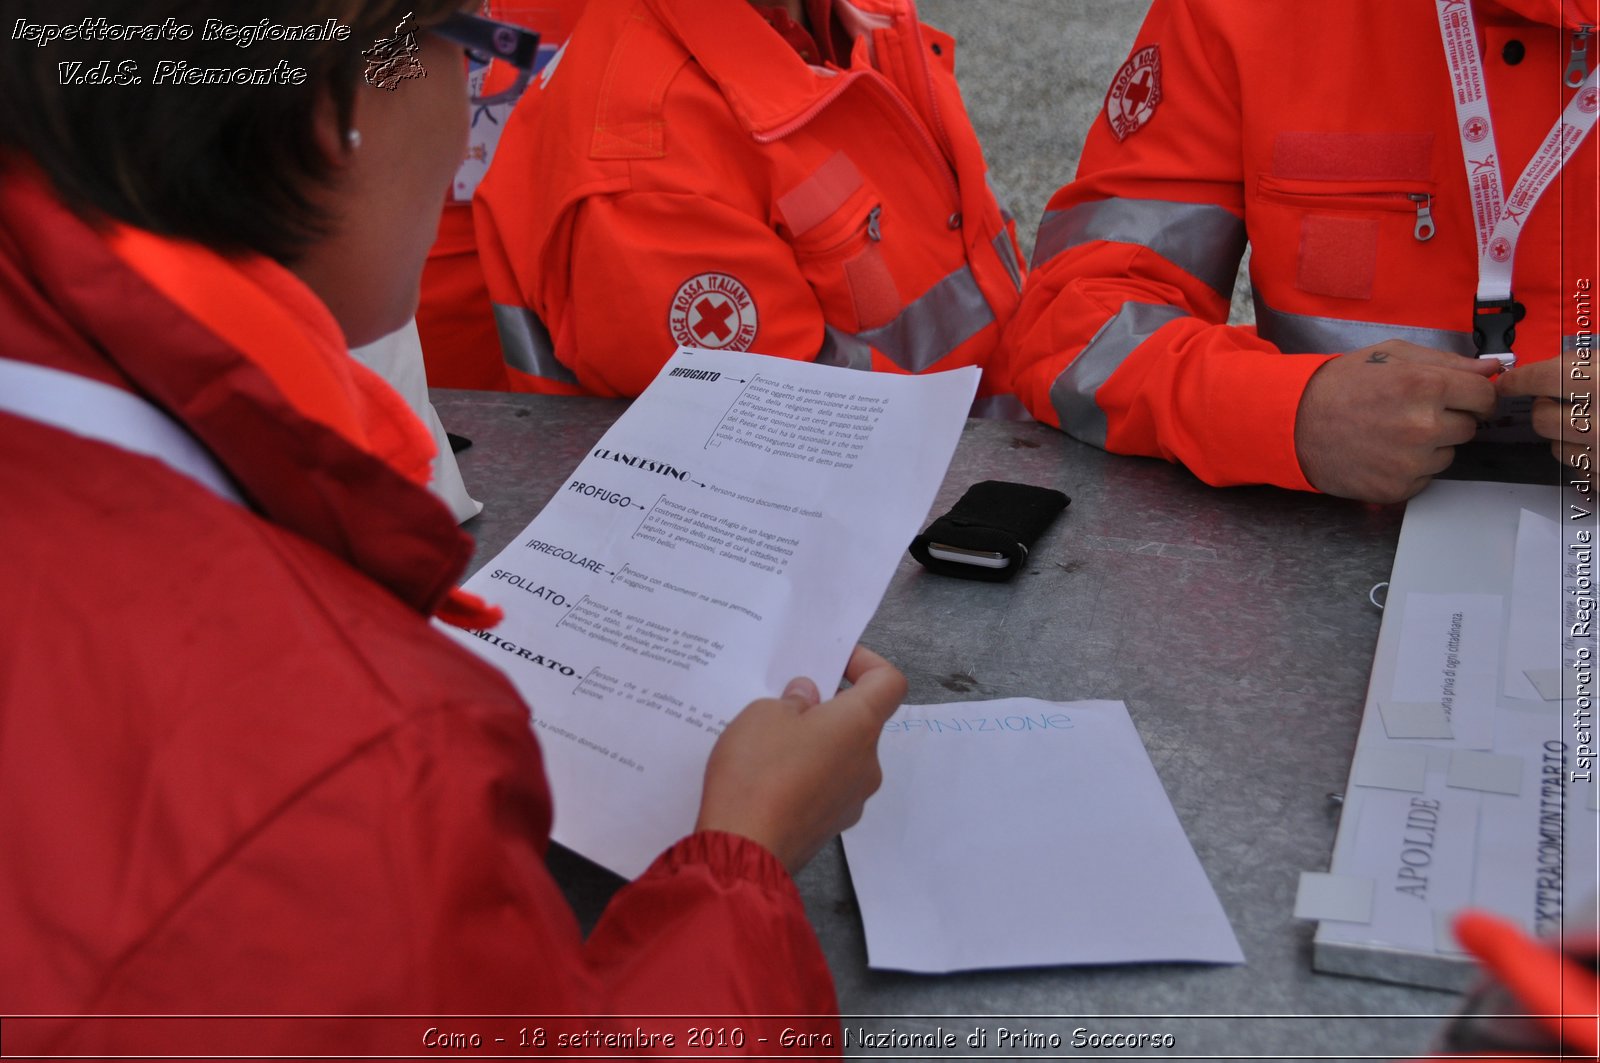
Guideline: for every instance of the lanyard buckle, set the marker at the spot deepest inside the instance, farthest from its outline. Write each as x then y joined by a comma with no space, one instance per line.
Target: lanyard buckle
1494,326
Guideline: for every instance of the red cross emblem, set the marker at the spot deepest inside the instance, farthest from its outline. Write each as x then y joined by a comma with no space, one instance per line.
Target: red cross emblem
1475,129
1500,249
1135,92
713,314
1589,102
1139,91
713,310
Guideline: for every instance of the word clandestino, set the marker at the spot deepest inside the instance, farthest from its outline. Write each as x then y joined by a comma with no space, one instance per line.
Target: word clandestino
642,464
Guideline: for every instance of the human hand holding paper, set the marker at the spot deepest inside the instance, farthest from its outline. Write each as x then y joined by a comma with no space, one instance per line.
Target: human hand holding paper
735,527
790,773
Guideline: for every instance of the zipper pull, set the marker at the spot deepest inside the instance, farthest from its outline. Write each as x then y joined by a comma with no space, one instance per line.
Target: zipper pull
874,232
1425,227
1578,62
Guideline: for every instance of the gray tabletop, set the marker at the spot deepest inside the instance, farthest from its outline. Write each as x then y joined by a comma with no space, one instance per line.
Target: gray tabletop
1236,626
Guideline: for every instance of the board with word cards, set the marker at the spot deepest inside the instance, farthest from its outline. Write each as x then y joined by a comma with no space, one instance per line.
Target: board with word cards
1473,781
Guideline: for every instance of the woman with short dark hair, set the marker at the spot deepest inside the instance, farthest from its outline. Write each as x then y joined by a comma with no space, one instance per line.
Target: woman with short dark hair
240,772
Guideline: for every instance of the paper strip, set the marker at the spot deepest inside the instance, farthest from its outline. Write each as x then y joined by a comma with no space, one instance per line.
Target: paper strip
1493,773
1391,768
1415,719
1341,898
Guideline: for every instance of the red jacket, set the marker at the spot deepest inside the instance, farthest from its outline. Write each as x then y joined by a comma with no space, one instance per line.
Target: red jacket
241,772
682,175
1315,131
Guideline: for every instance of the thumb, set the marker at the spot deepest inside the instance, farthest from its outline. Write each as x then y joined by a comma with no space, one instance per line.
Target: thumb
804,689
878,690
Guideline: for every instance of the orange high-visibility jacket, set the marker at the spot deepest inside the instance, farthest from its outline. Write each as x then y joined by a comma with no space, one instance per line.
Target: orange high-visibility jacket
1319,132
683,176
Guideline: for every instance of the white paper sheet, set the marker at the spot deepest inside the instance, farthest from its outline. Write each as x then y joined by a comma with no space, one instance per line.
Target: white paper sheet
735,528
1533,627
1017,833
1449,656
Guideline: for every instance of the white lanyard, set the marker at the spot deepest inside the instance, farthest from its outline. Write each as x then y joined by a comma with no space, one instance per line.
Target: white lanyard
101,412
1496,216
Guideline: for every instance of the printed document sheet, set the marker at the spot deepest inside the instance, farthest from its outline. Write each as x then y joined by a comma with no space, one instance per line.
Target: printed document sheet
735,528
1023,833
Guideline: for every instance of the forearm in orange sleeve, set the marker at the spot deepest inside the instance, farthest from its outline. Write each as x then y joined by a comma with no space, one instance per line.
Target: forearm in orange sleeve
1162,376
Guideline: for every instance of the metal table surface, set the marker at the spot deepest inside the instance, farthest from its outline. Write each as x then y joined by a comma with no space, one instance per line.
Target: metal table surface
1236,626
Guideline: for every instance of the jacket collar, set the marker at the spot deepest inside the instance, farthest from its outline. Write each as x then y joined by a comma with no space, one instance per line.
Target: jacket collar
764,80
250,363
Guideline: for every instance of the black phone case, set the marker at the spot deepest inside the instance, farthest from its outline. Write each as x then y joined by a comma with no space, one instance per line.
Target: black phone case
994,516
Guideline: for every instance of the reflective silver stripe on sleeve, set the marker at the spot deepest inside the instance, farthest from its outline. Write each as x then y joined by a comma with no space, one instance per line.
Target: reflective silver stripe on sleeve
936,323
1203,240
1008,257
525,344
844,350
1307,334
1073,392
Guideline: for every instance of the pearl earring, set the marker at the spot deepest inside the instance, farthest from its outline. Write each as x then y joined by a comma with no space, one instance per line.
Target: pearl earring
353,139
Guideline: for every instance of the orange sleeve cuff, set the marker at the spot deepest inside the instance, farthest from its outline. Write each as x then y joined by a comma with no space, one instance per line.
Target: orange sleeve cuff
1233,413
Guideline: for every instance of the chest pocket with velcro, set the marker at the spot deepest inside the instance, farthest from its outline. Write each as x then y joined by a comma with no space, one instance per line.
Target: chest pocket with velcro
1344,200
833,219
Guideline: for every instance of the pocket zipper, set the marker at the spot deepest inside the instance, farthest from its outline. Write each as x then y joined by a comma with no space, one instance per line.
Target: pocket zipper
1421,202
872,228
1578,60
1425,228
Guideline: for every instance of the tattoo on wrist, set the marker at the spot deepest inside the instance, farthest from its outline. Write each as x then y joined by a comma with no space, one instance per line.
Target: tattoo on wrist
1378,358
